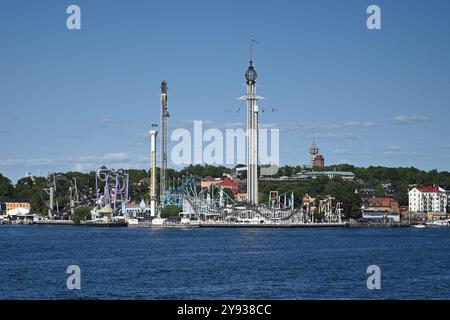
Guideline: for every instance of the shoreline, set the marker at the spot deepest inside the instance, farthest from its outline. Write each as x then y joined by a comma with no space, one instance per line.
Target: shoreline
222,225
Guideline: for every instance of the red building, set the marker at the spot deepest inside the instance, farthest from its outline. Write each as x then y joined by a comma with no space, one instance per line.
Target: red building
380,204
319,161
225,183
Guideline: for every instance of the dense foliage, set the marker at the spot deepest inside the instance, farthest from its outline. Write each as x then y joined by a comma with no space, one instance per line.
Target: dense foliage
81,214
169,211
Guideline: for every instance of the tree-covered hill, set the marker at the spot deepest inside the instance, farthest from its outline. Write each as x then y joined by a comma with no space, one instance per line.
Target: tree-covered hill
399,179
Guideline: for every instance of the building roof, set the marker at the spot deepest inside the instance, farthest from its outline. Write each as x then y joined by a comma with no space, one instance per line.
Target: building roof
225,181
428,189
378,201
132,205
209,178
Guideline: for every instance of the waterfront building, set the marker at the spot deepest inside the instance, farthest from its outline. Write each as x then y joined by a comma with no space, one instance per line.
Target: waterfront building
381,209
20,214
15,205
137,210
380,204
432,216
427,199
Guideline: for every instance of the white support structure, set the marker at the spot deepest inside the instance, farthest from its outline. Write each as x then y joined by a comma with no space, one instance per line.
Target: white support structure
252,132
153,134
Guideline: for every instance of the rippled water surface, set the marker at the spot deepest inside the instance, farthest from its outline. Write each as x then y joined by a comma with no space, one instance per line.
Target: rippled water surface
127,263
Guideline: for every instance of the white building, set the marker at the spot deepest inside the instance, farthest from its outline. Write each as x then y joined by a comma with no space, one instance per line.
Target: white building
427,199
137,210
345,175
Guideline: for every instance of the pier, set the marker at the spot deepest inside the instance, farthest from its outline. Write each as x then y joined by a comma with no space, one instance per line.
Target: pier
82,223
273,225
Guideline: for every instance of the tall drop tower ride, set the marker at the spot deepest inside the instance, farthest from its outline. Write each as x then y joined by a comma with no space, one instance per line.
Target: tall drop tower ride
252,131
164,118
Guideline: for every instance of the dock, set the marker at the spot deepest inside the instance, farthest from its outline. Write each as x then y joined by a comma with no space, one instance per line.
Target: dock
380,225
273,225
82,223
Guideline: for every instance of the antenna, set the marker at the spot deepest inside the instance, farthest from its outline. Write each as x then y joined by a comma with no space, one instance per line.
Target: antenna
252,42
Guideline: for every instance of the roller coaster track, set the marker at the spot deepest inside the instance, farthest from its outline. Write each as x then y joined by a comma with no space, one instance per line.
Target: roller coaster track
205,204
203,209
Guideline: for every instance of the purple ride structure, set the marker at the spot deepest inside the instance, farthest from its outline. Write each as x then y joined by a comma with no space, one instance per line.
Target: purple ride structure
111,191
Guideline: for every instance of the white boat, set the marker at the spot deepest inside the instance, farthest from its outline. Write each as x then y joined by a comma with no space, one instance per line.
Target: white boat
133,222
419,225
439,223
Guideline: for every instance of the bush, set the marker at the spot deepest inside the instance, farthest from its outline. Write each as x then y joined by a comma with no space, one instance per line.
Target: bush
81,214
170,210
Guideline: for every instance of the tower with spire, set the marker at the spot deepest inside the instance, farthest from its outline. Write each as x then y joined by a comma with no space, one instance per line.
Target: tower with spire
252,131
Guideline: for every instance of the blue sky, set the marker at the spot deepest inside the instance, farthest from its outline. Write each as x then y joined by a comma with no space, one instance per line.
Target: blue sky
74,100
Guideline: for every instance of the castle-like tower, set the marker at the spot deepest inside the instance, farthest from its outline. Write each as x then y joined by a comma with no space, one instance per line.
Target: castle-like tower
317,160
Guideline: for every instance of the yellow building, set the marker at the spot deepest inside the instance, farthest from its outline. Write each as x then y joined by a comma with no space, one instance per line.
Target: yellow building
15,205
437,216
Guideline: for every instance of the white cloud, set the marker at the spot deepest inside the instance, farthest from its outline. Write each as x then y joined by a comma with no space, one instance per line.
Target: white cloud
353,124
84,166
391,151
87,158
405,119
116,157
38,162
83,163
335,136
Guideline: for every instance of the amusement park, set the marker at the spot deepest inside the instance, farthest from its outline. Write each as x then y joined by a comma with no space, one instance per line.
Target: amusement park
196,204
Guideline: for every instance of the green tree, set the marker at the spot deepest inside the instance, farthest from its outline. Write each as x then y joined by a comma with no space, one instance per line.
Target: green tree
38,206
229,193
6,189
170,210
205,170
81,214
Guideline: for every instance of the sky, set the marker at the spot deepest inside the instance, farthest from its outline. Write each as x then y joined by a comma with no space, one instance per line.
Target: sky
79,99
